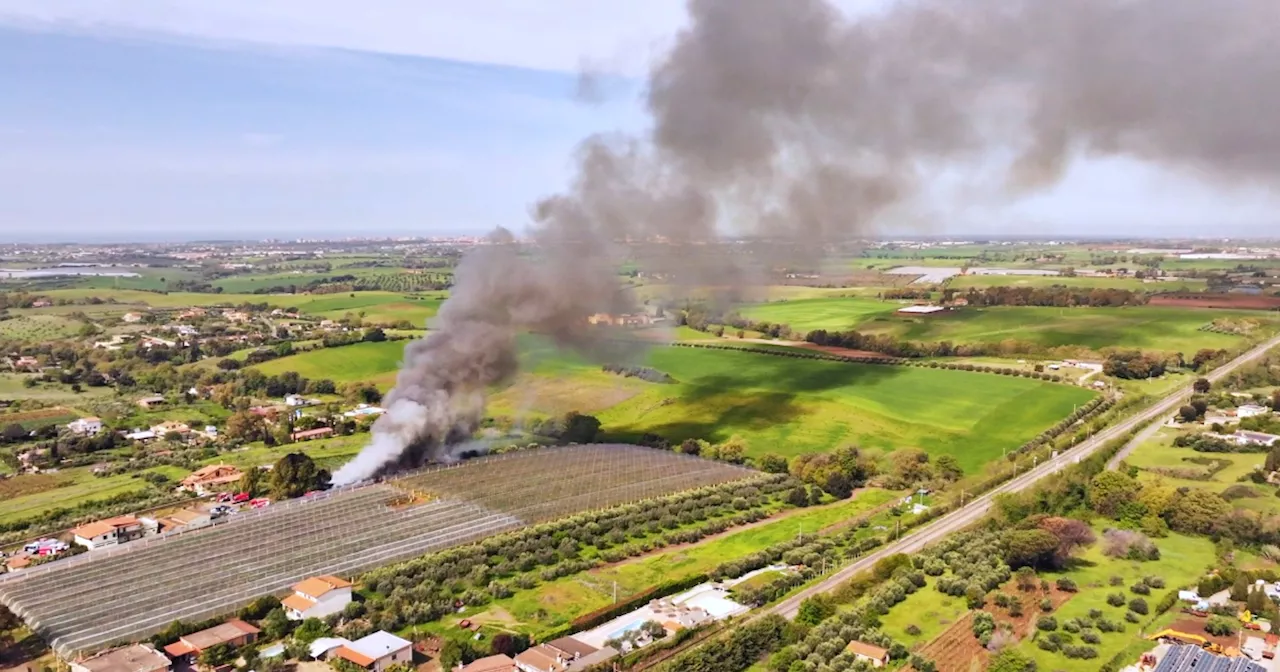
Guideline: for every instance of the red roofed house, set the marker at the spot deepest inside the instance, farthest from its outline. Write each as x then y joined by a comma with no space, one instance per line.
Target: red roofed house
875,655
541,658
317,597
211,478
317,433
108,532
233,633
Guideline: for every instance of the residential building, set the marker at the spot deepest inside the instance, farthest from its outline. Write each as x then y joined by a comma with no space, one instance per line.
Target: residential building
571,649
140,435
1188,657
922,310
875,655
132,318
108,532
295,400
377,651
132,658
1258,438
171,426
541,658
624,320
321,647
85,426
178,519
600,656
499,663
1250,410
310,434
211,478
317,597
149,342
152,402
236,315
233,633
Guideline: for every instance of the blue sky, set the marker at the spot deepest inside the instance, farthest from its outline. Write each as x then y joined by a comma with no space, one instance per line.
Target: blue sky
167,119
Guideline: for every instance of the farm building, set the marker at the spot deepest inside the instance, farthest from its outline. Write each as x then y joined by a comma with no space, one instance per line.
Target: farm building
311,434
131,318
85,426
377,652
922,310
233,633
132,658
211,478
875,655
151,402
108,532
171,426
498,663
317,597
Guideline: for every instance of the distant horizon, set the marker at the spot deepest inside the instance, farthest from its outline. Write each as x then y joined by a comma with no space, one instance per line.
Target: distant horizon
101,241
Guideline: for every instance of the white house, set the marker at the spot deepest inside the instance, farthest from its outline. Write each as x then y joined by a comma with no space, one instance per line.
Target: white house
86,426
377,652
317,597
108,532
294,400
1250,410
132,317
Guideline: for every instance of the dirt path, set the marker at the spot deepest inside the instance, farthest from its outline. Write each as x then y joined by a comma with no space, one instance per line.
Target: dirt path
1139,439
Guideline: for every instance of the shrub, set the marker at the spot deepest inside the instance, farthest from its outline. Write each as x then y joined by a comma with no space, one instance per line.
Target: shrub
1116,580
1015,608
1090,637
1047,645
1071,625
1140,588
1046,605
1138,605
913,630
1082,652
1220,626
1066,585
1110,626
1131,617
1116,599
1128,544
1154,582
1095,613
1047,623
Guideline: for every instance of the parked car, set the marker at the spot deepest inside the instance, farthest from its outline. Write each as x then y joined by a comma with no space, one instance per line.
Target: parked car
259,503
241,497
224,497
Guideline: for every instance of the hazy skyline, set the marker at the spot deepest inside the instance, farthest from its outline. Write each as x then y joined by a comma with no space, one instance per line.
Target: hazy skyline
164,120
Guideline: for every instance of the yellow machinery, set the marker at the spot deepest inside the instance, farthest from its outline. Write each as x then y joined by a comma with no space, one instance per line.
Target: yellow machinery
1182,637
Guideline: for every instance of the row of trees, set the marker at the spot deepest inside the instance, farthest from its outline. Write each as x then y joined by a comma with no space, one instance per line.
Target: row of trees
1057,296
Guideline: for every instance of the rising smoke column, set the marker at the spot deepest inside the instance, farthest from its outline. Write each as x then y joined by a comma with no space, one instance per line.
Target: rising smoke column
786,121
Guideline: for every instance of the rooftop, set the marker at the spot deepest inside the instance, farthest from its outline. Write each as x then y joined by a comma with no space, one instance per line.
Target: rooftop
101,527
868,650
1187,657
132,658
378,644
498,663
921,310
218,634
317,586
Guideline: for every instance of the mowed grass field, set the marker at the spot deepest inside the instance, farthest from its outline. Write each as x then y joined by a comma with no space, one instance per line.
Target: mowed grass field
33,494
778,404
1160,453
832,314
984,281
1144,327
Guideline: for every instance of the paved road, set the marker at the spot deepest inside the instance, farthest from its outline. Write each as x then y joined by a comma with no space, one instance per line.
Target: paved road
1138,439
975,510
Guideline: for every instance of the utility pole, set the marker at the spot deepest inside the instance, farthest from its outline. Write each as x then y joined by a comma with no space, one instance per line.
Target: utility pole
615,592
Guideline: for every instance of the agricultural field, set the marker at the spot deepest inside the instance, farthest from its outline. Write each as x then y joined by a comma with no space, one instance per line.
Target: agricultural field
1159,460
12,387
37,418
794,406
984,281
329,453
416,307
555,603
341,532
38,328
1143,327
832,314
1183,560
374,362
929,610
31,495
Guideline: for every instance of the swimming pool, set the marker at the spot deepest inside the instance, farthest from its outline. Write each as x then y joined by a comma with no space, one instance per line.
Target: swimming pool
626,629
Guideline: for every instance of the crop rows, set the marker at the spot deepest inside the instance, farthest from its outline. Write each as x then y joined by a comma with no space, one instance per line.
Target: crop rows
135,590
541,485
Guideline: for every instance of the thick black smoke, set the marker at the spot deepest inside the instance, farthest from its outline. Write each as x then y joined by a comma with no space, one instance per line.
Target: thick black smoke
786,121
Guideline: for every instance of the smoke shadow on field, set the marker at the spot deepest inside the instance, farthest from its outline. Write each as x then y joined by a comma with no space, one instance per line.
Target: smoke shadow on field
754,398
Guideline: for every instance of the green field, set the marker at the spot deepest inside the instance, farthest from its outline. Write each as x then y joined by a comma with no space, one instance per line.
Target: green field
328,453
794,406
555,603
832,314
72,487
37,327
1182,561
1146,327
927,609
376,362
1160,453
390,306
984,281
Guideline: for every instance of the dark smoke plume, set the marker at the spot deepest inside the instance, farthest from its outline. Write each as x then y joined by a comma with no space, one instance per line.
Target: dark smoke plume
785,121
